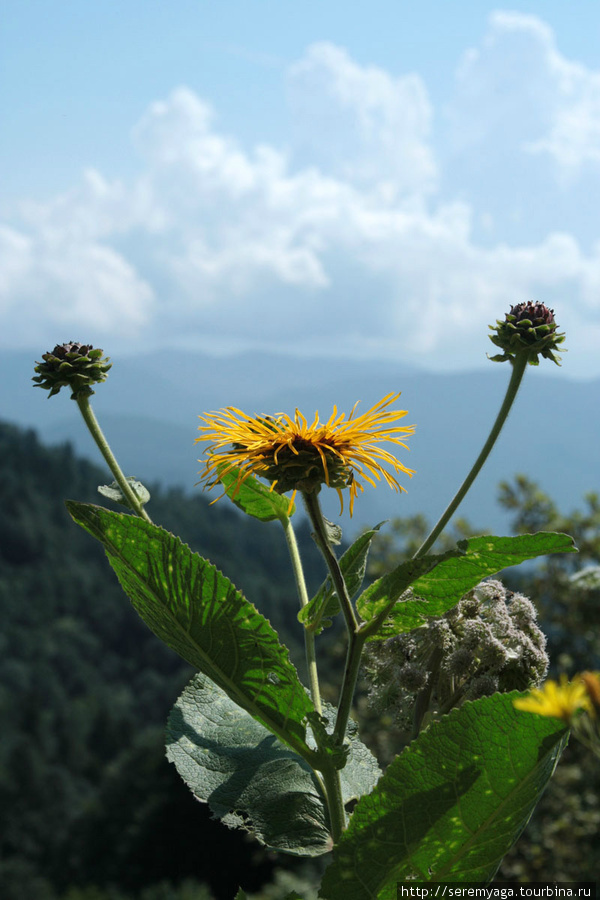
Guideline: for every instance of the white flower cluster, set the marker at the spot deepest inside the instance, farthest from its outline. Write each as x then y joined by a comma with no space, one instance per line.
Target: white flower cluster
488,642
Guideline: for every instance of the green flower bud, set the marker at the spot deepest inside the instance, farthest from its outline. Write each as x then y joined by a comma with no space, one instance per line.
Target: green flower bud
73,365
527,327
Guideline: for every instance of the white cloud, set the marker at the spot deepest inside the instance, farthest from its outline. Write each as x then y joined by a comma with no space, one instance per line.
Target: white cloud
518,89
56,279
342,244
360,123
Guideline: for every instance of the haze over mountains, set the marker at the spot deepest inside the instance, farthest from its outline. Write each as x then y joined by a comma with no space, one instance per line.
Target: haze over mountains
150,404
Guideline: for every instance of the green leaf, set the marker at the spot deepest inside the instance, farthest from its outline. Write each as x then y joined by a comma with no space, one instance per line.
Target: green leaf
317,614
379,598
333,532
250,779
485,556
241,895
451,805
198,612
443,586
255,498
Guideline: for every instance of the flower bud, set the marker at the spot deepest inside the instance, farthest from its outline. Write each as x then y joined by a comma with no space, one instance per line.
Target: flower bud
530,328
73,365
412,677
484,686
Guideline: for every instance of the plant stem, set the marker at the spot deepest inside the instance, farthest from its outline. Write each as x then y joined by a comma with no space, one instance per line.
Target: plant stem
94,428
313,508
309,637
424,695
335,802
331,777
519,364
356,642
355,639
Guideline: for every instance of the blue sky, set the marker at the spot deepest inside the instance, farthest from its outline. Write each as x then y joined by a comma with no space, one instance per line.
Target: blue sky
375,178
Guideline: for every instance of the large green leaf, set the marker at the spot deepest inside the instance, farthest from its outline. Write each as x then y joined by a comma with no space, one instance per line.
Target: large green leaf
485,556
255,498
250,779
451,805
379,598
317,614
199,613
442,586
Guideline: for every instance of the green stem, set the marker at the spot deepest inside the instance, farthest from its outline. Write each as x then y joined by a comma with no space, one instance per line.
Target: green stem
424,695
356,643
94,428
519,364
355,638
331,777
313,508
335,802
309,638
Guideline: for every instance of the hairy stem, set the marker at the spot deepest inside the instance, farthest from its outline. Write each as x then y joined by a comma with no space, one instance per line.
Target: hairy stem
424,695
519,364
309,638
355,639
355,644
313,508
337,813
94,428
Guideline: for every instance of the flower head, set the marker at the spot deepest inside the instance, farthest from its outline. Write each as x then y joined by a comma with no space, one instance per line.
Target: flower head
480,646
296,456
73,365
561,700
527,327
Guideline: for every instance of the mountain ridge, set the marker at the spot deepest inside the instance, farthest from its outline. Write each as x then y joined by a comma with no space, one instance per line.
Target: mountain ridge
149,408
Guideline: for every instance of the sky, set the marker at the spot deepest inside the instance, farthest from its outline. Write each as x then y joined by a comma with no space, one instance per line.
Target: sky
378,179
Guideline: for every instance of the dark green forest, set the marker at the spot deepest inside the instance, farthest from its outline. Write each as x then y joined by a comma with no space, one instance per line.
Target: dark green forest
89,807
86,796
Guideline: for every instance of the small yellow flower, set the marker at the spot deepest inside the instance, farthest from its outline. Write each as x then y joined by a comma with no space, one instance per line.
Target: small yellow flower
559,700
294,455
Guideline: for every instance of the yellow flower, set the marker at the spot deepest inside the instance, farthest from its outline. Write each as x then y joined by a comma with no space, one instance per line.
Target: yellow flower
559,700
294,455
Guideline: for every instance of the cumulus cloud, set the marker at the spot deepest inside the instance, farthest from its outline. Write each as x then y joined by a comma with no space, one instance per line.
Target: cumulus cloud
54,279
360,123
519,90
351,240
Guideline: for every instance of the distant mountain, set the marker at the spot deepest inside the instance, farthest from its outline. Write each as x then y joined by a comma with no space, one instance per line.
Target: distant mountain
150,404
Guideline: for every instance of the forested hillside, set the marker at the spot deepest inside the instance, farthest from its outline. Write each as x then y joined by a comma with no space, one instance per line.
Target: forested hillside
86,796
89,807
